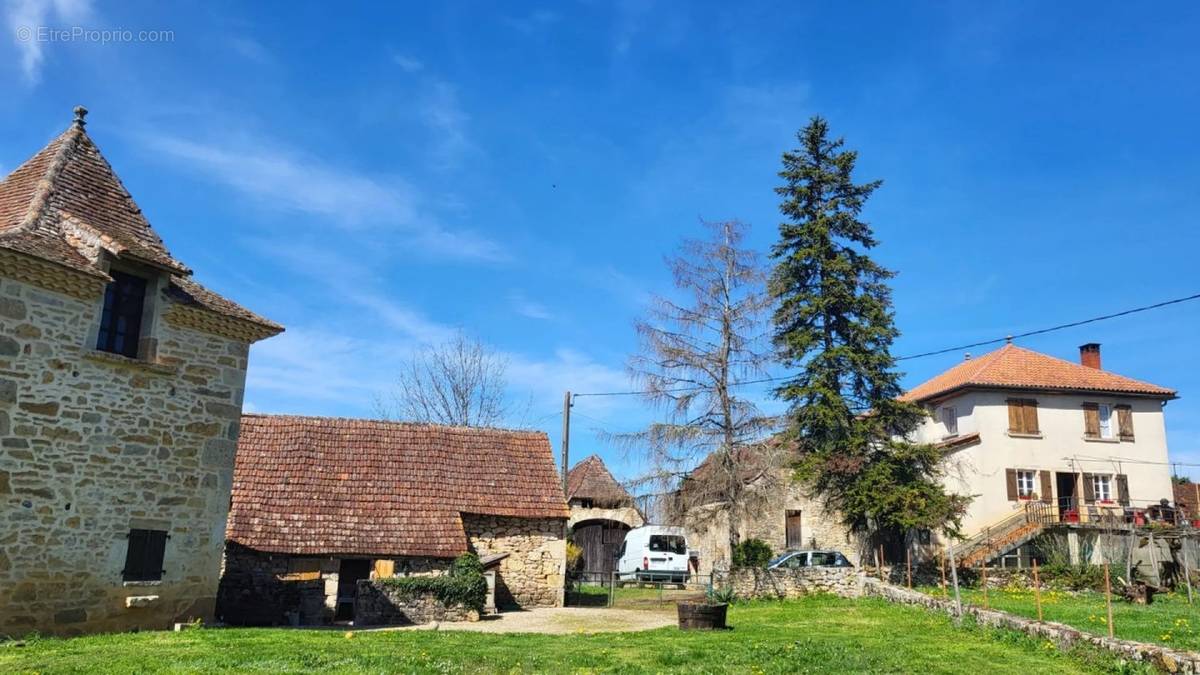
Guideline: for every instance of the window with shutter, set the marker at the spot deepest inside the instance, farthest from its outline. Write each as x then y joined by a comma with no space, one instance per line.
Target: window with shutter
1125,422
121,318
1022,417
1091,420
144,555
793,533
950,420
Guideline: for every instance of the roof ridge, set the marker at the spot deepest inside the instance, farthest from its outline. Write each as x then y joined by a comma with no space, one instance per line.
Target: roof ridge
40,202
404,423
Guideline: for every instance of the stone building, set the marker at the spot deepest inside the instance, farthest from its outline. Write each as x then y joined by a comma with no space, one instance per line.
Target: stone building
775,509
320,503
601,513
121,384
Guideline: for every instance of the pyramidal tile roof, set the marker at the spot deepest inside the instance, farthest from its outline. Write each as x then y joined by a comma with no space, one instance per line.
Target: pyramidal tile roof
1013,367
65,204
591,479
325,485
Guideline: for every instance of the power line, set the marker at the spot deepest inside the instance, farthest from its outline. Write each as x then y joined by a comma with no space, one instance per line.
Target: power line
947,350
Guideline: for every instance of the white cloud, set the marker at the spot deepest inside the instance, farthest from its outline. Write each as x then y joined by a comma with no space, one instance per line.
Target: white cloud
447,121
407,63
288,180
528,308
533,22
24,18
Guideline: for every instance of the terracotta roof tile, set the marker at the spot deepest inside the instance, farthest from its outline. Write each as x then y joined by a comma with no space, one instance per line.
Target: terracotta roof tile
321,485
1013,367
591,479
66,195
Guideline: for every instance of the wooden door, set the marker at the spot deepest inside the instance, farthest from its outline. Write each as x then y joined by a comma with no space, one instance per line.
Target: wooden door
794,534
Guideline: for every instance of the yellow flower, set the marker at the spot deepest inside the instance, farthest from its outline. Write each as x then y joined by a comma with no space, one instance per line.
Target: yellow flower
349,634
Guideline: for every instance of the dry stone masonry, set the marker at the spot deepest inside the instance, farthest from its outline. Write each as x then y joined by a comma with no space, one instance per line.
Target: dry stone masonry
94,445
533,573
753,582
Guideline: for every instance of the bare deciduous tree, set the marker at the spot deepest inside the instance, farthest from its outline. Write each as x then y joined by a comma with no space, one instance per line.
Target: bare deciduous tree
692,353
460,382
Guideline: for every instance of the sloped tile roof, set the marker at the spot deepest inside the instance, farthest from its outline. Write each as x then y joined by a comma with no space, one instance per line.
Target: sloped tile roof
322,485
591,479
1013,367
67,198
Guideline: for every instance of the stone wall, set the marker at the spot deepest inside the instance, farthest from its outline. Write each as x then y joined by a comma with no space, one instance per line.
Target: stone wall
534,573
377,605
92,445
753,582
1063,636
273,589
766,519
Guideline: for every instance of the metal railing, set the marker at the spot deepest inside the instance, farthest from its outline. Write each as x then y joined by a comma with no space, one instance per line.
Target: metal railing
611,589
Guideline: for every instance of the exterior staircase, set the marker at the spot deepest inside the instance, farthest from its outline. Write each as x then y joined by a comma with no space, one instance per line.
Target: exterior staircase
1005,535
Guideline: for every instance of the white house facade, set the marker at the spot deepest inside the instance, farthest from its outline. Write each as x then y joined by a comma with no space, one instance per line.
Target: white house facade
1022,427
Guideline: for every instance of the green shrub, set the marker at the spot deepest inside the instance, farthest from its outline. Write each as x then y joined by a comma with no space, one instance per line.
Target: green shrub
752,553
464,584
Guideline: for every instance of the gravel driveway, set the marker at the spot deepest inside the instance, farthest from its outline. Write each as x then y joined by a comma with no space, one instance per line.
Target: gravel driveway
559,620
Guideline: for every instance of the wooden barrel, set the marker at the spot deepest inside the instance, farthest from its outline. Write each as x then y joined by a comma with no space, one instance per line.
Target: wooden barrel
701,616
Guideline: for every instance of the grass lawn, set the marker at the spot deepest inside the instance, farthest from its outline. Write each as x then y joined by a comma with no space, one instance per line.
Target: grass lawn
1169,620
815,634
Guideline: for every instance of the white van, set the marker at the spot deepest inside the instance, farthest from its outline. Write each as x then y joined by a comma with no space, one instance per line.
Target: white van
654,553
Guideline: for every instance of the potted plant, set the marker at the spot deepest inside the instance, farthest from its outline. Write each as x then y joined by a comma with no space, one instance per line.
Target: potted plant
707,615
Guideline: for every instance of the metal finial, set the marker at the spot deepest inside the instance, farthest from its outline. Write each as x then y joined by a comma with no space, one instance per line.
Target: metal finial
80,113
1008,339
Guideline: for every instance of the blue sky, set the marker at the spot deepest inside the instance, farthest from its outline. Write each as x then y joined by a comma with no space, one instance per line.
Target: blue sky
377,178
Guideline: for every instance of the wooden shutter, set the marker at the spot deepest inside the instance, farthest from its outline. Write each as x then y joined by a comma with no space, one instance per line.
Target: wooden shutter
1047,488
1125,422
1016,420
144,555
385,568
1010,479
1091,420
1089,490
1029,412
1123,489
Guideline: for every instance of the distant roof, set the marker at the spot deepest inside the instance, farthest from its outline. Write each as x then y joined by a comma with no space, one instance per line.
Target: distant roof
65,204
1013,367
323,485
591,479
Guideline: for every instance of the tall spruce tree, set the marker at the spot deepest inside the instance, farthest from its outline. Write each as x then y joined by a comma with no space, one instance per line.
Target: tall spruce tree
834,324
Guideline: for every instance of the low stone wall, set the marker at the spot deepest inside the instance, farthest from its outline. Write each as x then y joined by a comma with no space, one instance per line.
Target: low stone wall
754,582
1062,635
377,605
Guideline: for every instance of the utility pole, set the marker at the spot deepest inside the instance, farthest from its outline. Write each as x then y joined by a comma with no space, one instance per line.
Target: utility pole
566,439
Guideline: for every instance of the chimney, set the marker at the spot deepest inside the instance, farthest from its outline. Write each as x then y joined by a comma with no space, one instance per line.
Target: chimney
1089,355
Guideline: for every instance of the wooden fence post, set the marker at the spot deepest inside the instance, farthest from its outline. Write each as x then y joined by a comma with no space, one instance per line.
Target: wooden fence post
1037,589
1187,567
1108,599
954,577
908,565
881,562
983,570
942,565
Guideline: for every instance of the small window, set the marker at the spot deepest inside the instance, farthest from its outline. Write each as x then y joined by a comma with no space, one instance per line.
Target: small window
121,320
144,556
1025,482
1102,487
1104,412
950,420
666,543
1022,416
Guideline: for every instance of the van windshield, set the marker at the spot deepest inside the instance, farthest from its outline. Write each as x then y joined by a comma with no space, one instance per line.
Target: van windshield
668,543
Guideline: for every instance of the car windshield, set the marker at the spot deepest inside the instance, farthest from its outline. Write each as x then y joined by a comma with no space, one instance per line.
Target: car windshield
668,543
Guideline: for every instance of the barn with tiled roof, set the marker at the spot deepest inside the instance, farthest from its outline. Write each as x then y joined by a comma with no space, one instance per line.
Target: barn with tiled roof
341,499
